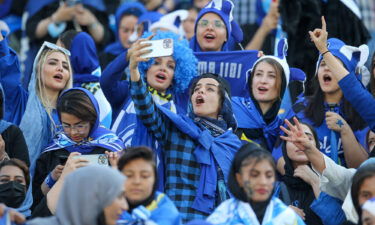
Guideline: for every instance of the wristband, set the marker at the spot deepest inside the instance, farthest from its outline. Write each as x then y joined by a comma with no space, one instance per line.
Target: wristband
325,52
50,181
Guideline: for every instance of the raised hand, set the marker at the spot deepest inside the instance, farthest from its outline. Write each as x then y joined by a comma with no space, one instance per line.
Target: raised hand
335,122
319,37
136,51
296,135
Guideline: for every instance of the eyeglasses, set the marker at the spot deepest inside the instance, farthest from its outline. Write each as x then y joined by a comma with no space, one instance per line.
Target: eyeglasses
216,23
79,128
50,45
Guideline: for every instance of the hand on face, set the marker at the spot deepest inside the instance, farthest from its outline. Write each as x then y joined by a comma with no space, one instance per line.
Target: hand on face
296,135
335,122
319,37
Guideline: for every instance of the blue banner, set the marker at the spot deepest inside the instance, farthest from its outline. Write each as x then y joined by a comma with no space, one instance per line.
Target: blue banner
231,65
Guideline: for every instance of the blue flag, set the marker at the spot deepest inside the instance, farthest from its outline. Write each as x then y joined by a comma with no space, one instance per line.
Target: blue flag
231,65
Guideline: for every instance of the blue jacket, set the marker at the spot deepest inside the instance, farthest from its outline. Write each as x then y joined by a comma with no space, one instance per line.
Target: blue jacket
10,75
361,100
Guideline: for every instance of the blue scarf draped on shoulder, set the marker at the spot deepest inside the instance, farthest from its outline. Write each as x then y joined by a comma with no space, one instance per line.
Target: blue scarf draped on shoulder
245,108
160,211
98,136
86,69
220,149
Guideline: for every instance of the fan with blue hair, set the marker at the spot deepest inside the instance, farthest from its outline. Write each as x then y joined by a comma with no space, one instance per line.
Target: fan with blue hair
186,63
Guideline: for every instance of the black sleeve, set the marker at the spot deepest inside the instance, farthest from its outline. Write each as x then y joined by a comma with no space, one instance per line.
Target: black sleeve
15,144
41,210
44,165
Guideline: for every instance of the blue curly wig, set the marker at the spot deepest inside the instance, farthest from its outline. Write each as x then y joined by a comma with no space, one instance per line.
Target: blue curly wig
186,62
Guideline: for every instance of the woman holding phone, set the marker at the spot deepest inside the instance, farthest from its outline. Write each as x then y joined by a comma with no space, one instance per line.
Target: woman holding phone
81,132
167,79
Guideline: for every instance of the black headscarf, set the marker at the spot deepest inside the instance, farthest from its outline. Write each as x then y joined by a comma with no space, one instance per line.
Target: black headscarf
301,193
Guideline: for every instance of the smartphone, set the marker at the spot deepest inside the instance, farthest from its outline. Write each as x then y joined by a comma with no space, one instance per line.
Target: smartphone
162,47
95,159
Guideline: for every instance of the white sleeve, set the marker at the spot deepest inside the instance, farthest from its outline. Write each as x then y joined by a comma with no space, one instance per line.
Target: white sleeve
335,179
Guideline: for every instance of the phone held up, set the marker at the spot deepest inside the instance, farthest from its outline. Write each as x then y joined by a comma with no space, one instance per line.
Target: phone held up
95,159
160,48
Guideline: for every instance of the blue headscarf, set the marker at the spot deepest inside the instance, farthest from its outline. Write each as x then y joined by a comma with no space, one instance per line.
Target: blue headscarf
98,136
86,69
34,6
134,8
3,124
36,123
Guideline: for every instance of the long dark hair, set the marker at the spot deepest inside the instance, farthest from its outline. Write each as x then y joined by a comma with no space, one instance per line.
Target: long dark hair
315,109
248,153
67,37
77,103
364,172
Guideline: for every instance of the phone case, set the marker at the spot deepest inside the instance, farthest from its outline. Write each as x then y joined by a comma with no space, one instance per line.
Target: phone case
95,159
160,48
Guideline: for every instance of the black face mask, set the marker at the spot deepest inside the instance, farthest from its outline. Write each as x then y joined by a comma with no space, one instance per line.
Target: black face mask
372,153
12,194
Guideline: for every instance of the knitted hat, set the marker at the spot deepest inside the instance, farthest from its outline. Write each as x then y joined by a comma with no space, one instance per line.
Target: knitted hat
351,57
224,9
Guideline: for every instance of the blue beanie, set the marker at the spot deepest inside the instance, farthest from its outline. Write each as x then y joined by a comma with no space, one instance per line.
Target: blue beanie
186,62
351,57
224,9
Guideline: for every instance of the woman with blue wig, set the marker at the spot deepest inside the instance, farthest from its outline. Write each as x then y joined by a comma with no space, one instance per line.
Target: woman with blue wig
81,132
167,79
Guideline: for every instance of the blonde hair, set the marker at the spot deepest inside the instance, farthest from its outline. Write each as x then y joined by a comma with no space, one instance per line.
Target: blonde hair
39,84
